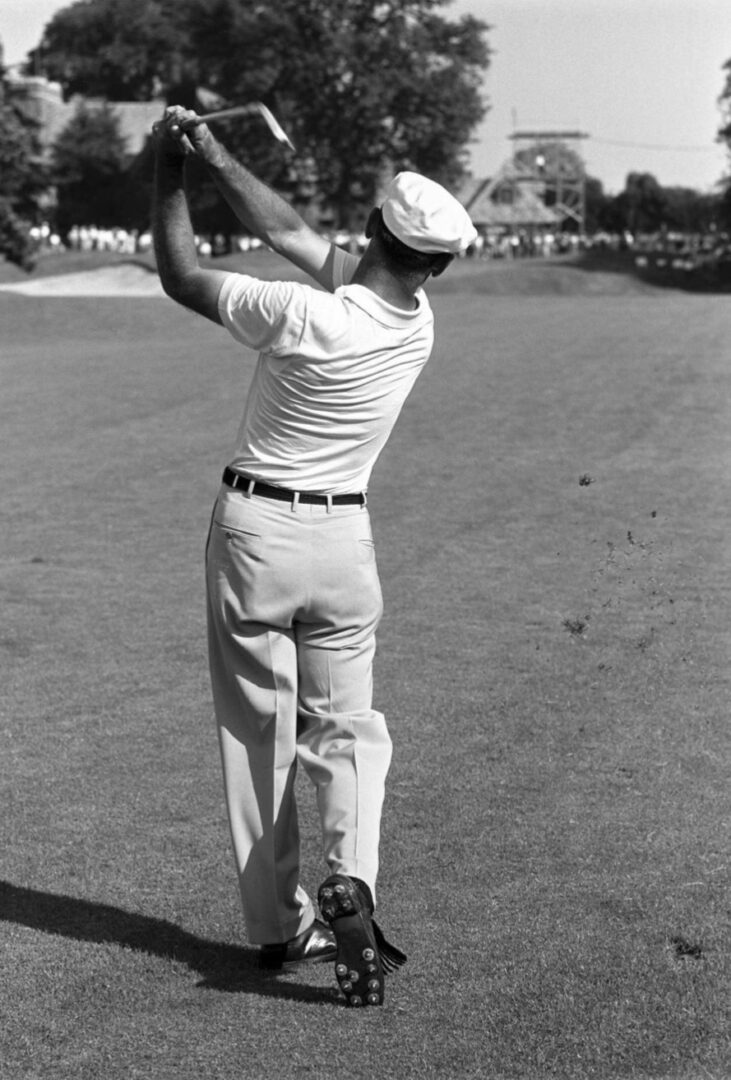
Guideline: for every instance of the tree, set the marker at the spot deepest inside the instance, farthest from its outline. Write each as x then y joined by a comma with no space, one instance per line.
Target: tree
90,170
724,135
23,181
690,211
642,204
599,216
364,86
123,50
724,102
552,157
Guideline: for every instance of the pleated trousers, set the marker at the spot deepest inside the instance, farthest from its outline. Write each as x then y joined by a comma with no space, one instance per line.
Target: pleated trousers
294,601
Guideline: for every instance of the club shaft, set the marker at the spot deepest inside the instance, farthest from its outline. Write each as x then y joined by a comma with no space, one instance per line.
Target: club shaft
222,114
243,110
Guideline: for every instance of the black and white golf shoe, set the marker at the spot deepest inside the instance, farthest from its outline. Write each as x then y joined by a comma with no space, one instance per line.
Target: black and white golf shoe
364,956
313,946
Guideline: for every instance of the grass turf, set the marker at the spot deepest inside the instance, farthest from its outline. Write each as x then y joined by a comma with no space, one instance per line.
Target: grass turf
551,517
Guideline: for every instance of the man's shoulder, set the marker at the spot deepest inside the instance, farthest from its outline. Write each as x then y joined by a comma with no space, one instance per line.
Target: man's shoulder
342,268
249,288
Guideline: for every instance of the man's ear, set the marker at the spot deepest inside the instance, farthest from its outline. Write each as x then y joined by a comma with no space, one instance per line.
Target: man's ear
372,222
440,264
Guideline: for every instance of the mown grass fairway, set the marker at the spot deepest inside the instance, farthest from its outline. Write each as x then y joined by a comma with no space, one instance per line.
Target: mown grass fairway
552,518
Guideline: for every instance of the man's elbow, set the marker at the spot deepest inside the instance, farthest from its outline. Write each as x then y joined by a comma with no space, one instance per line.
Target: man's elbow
196,291
177,286
172,287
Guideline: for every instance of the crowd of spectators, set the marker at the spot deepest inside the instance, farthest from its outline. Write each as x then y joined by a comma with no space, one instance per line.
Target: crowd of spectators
90,238
494,244
700,258
664,250
521,243
122,241
525,243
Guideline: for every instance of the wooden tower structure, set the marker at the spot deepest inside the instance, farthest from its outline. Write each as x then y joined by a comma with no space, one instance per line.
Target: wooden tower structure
550,163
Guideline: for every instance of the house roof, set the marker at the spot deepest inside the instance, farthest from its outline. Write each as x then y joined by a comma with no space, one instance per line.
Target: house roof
507,200
43,101
135,121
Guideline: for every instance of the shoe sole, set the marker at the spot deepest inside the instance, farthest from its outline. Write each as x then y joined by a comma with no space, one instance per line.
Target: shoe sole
358,967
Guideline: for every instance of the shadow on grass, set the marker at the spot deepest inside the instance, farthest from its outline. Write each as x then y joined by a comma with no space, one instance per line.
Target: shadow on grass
224,967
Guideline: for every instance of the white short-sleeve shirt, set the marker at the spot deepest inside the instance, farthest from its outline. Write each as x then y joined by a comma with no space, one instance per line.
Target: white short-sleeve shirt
333,372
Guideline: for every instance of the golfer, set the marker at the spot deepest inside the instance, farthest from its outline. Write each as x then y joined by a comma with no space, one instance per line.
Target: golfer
293,593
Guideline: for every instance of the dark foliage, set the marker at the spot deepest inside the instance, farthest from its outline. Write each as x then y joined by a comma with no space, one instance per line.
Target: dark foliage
363,86
23,181
95,184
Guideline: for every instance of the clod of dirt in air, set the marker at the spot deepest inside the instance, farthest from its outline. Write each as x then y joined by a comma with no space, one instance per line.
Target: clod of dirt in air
686,949
577,627
585,480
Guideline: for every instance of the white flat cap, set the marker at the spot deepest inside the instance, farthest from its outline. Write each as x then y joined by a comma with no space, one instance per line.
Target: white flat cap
424,216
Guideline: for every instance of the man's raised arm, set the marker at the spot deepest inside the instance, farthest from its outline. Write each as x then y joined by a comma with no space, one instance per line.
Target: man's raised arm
260,209
182,278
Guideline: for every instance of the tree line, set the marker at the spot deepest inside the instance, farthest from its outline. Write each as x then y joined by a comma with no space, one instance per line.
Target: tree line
644,206
360,85
363,87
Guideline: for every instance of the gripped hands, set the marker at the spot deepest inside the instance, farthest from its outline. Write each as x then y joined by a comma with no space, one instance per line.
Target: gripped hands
179,133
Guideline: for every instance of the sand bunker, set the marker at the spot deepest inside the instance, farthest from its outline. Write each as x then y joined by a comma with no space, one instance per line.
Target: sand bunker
126,279
519,278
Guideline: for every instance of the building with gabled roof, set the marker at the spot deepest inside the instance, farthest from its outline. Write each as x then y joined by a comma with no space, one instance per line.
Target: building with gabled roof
42,101
511,200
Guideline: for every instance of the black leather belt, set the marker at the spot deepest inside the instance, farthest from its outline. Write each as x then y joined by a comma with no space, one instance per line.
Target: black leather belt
256,487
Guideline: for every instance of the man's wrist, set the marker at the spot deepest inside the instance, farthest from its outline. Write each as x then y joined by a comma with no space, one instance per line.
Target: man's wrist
211,151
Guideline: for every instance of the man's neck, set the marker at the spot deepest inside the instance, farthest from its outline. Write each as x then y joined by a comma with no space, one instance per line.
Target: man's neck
383,283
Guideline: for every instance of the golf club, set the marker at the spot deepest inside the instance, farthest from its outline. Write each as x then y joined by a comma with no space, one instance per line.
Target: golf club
242,110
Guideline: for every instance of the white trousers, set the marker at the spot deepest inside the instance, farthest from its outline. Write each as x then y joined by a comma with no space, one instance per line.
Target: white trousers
293,605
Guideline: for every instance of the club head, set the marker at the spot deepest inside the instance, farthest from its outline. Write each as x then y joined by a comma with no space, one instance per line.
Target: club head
274,126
